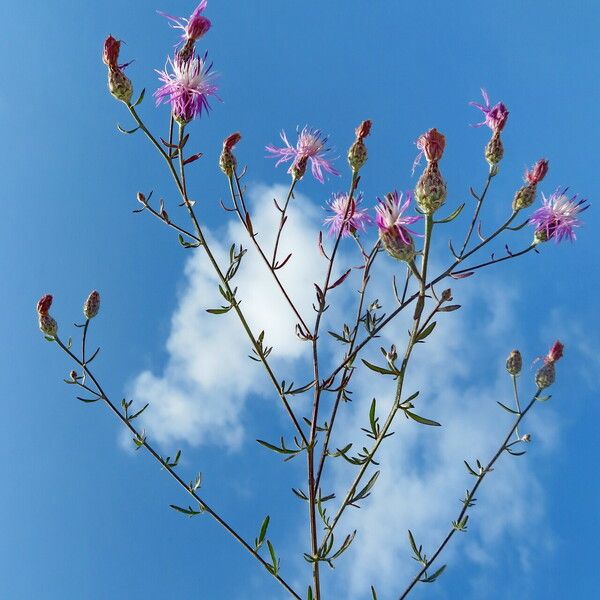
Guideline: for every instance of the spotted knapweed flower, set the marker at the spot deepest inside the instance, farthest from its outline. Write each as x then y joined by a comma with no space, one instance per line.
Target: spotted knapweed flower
393,228
91,305
547,374
193,28
558,217
525,195
119,84
430,191
187,87
48,325
309,147
495,116
514,363
357,154
227,161
346,219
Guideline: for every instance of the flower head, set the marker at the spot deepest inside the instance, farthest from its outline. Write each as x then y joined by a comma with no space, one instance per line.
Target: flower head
119,84
47,324
432,144
357,153
227,161
558,217
514,363
547,374
537,172
346,219
91,305
194,27
495,116
309,147
556,352
390,217
187,88
44,304
110,54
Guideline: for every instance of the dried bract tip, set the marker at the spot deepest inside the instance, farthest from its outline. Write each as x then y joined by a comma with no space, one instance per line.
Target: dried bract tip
110,54
91,305
514,363
44,304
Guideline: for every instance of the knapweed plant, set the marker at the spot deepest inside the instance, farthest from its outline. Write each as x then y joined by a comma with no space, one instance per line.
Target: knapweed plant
398,228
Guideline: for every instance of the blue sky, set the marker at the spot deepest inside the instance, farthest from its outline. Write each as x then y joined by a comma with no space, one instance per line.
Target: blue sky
81,517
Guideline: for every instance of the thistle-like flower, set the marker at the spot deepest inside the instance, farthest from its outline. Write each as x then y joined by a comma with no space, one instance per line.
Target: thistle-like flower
193,28
309,147
525,195
227,161
558,217
119,84
346,219
495,116
394,233
547,374
188,85
430,191
92,305
514,363
48,325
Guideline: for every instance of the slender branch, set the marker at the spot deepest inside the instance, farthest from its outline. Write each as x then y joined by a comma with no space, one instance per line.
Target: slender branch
480,200
469,497
142,440
282,221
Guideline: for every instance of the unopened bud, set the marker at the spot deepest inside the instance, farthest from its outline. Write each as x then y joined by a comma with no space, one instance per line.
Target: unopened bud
524,197
48,325
91,305
430,191
363,130
119,85
494,151
556,352
44,304
141,198
227,161
514,363
432,144
526,437
110,54
537,172
73,375
447,295
392,355
357,155
545,376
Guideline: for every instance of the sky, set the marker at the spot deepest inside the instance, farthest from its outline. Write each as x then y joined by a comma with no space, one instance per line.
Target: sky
82,515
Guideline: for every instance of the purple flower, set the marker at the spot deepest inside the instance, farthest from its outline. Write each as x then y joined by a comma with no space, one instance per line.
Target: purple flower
558,217
194,27
495,116
187,88
310,146
346,219
389,215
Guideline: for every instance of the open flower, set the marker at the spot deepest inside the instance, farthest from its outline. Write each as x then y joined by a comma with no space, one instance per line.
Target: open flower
393,226
495,116
187,88
194,27
558,217
309,147
346,219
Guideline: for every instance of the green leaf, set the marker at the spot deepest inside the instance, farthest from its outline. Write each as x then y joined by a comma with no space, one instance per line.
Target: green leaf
263,532
507,409
309,594
139,412
453,216
189,511
373,593
421,420
274,561
433,577
140,97
425,332
218,311
378,369
126,131
366,491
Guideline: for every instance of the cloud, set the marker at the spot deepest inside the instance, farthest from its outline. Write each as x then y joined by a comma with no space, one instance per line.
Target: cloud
460,372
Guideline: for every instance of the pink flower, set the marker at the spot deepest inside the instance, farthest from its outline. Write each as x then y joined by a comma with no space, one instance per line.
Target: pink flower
495,116
558,217
537,172
310,146
346,219
187,88
194,27
44,304
555,353
390,216
110,54
431,145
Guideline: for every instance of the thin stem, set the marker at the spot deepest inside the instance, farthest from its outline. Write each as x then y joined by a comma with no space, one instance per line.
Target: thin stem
480,200
517,403
282,221
469,498
141,438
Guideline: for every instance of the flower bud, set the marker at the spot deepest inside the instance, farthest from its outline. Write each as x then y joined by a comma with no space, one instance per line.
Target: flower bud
494,151
545,376
91,305
538,172
526,437
44,304
396,246
48,325
357,154
524,197
514,363
227,161
141,198
197,25
432,144
110,54
556,352
119,85
73,375
540,236
447,295
430,191
496,117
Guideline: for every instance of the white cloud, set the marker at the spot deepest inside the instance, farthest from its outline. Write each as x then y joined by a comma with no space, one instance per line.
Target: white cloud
460,372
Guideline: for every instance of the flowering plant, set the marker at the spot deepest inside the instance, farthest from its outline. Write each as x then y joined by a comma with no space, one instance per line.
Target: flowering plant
403,237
